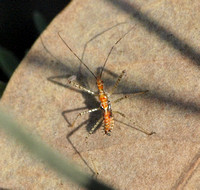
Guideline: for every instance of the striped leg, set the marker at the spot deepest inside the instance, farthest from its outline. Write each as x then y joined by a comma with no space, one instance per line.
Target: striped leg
95,126
117,82
126,96
138,127
76,85
83,113
120,99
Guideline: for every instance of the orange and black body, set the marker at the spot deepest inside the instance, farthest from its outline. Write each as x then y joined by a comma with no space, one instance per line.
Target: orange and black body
106,107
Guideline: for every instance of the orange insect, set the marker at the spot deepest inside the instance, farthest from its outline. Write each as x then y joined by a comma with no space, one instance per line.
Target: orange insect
105,104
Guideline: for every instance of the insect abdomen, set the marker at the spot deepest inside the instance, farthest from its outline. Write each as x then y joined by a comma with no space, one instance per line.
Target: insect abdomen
108,122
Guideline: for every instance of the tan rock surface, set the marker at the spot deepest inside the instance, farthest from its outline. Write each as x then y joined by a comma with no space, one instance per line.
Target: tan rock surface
160,54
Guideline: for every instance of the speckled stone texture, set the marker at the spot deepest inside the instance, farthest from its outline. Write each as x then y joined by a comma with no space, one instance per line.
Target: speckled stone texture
161,54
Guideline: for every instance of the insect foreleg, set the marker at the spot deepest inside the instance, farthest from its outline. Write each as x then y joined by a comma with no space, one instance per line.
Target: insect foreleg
76,85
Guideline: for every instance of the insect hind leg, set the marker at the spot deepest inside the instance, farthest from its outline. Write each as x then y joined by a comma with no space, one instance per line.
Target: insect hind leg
139,128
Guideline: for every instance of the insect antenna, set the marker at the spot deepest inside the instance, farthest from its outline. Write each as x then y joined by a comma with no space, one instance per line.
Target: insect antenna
112,49
76,55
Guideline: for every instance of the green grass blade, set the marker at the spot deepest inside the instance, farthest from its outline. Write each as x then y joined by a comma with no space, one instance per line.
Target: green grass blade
8,61
2,88
39,21
50,157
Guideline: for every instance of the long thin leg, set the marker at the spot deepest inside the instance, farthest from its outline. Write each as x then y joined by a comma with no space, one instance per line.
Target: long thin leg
76,85
138,127
126,96
83,113
120,99
96,125
86,138
117,82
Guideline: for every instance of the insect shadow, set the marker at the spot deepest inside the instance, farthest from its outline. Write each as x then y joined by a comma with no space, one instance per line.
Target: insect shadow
90,102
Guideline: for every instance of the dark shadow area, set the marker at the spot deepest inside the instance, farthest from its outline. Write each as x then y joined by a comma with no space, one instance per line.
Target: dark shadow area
95,185
90,101
153,26
17,29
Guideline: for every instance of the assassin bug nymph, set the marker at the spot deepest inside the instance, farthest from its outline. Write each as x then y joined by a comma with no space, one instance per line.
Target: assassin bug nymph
105,104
